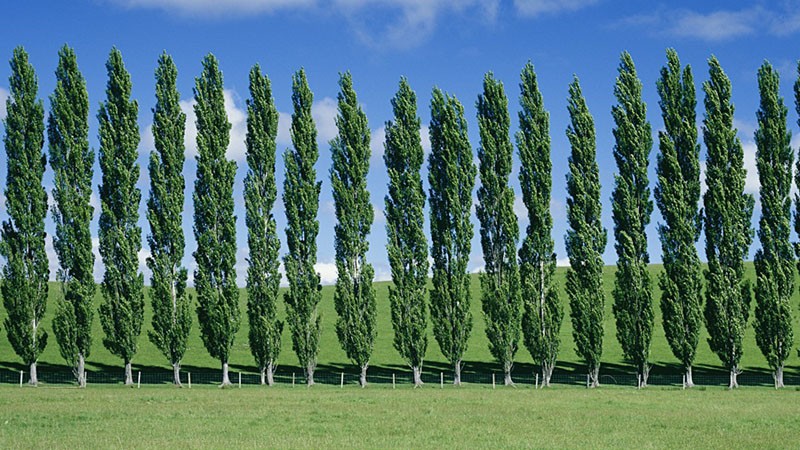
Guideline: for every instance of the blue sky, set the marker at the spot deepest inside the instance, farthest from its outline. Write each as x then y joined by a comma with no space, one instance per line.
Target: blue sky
446,43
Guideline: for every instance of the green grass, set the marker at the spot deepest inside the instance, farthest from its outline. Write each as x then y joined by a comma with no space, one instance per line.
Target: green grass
379,417
385,358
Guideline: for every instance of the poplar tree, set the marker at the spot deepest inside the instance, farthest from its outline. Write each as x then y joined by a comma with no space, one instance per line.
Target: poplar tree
726,221
122,313
260,192
586,238
72,162
774,261
543,312
301,203
451,175
214,222
407,243
172,318
677,195
631,207
797,170
500,284
354,297
25,274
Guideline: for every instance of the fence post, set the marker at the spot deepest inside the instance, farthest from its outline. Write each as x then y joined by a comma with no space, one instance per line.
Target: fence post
341,380
240,380
139,381
20,378
189,377
638,381
492,380
537,381
441,380
85,378
683,382
587,381
293,379
392,380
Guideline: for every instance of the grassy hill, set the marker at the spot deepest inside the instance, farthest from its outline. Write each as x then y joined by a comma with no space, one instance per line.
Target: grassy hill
385,358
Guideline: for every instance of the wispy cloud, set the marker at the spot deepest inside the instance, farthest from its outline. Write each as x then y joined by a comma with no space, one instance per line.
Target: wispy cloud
718,25
3,98
212,8
534,8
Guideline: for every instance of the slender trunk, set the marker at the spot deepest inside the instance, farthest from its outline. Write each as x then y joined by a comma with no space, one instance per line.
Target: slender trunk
128,374
734,383
594,376
225,380
779,376
507,374
34,381
81,371
457,373
689,381
263,374
270,374
176,374
417,371
362,379
644,373
310,374
547,373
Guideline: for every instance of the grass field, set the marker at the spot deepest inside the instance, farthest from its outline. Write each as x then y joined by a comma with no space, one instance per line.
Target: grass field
385,358
379,417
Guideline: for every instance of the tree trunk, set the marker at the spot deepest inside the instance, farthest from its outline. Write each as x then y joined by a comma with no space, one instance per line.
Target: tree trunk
128,374
594,376
263,374
644,373
417,371
457,373
362,379
176,374
689,381
270,375
734,383
547,373
778,376
310,374
81,371
34,381
226,381
507,376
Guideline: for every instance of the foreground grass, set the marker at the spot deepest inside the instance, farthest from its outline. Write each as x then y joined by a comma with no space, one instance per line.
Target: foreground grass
207,417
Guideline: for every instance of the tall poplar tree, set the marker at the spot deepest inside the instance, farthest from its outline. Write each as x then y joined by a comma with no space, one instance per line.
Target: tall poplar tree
354,297
631,206
586,238
797,169
677,195
214,222
500,285
122,313
726,222
543,312
25,274
172,317
301,203
451,174
260,192
72,161
407,243
774,260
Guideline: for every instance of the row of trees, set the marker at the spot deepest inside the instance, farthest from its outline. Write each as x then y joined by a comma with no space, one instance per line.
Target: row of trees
519,297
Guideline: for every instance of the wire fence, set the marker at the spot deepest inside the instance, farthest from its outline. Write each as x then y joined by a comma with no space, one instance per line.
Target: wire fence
211,377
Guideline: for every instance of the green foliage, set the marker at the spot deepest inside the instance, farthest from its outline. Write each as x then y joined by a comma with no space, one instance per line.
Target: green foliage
500,283
797,170
72,162
122,313
301,203
586,237
260,192
726,221
214,222
677,195
451,174
543,312
631,206
355,295
24,285
405,217
774,260
172,317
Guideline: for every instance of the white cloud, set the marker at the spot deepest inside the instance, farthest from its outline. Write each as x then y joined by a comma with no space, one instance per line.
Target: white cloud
324,114
98,260
3,97
52,256
533,8
425,136
143,255
327,272
213,8
716,25
284,137
377,138
236,116
751,183
562,262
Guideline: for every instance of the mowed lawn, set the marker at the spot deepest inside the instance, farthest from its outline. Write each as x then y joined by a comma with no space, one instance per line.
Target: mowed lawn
380,417
385,359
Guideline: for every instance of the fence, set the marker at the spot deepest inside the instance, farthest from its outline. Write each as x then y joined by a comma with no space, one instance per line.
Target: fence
210,377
